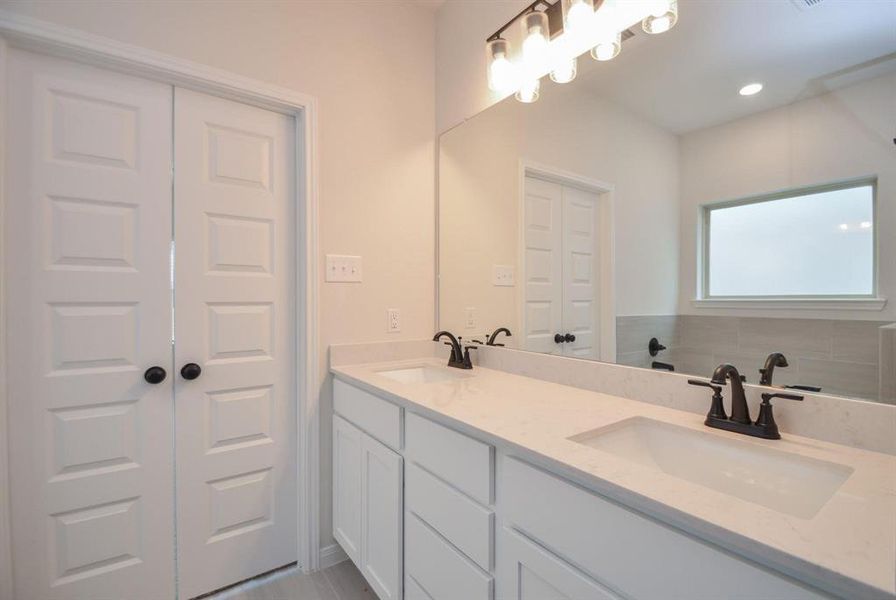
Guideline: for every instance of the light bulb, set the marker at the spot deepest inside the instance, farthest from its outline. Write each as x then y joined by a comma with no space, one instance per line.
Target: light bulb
865,224
536,51
608,49
501,72
844,226
577,17
528,91
564,71
662,18
660,24
750,89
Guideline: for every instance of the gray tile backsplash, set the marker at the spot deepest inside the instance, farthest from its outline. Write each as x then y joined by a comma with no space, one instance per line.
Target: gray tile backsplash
852,358
888,364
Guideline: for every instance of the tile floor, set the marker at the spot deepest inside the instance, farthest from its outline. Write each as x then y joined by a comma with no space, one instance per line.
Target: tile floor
339,582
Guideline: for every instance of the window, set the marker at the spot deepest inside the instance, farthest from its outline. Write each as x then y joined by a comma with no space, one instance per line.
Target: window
809,243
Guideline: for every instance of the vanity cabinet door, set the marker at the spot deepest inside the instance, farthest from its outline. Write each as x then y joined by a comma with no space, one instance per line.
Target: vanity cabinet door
528,572
347,487
381,522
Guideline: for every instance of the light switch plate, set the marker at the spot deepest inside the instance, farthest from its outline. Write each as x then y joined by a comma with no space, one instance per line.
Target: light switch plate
502,275
393,320
342,268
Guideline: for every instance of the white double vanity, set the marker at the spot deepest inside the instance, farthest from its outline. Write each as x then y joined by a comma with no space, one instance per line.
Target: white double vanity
487,484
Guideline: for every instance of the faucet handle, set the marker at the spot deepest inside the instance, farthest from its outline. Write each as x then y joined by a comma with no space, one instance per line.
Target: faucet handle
715,388
468,363
767,397
453,353
766,418
716,409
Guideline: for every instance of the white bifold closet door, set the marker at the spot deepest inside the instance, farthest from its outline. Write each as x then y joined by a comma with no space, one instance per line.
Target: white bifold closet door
561,268
118,484
234,316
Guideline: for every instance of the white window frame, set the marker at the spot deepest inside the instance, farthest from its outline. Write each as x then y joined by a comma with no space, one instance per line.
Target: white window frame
869,301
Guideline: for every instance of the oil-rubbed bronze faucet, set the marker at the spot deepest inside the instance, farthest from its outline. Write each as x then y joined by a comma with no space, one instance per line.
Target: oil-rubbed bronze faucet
740,412
460,357
491,338
775,359
739,422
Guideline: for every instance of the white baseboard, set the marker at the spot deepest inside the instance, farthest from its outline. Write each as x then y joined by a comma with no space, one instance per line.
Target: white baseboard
332,555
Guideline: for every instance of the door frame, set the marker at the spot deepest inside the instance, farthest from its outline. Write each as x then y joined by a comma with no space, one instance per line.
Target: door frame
72,44
607,277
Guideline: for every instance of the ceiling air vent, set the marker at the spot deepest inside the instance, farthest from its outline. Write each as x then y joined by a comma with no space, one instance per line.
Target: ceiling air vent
806,4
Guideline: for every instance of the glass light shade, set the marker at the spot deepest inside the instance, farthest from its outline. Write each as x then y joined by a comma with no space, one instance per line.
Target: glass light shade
564,71
608,48
528,91
501,72
536,48
661,20
577,16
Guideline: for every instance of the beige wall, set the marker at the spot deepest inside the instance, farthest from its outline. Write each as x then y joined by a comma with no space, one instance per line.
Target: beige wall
572,131
371,67
461,29
840,135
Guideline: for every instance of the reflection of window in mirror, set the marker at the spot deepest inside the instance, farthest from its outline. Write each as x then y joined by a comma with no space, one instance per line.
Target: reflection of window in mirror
816,242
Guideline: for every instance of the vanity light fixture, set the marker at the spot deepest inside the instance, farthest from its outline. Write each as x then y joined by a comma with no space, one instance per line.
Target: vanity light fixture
608,49
663,17
501,72
750,89
554,33
578,17
528,92
564,70
536,44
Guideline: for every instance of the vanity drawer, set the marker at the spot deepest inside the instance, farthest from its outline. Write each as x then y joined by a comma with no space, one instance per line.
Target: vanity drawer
438,568
529,572
379,418
461,521
617,546
461,461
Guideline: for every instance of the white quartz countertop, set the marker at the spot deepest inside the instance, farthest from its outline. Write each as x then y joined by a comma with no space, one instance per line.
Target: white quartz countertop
848,547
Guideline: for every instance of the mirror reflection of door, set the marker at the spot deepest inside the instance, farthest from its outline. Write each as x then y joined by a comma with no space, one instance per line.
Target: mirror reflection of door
561,304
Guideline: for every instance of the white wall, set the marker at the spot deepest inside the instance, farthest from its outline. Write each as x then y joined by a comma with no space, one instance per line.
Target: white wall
570,130
371,67
840,135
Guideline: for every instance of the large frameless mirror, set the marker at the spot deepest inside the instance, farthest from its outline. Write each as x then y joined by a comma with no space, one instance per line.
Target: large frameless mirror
719,193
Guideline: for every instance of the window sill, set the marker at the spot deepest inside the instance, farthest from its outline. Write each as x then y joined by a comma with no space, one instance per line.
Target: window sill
793,303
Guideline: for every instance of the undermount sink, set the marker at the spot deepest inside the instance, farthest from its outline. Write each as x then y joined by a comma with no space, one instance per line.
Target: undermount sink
422,374
779,480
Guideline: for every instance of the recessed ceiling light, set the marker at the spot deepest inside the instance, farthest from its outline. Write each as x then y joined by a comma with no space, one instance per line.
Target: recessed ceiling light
750,89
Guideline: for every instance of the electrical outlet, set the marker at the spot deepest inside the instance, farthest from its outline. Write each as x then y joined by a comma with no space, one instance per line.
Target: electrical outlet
470,317
393,320
502,275
343,268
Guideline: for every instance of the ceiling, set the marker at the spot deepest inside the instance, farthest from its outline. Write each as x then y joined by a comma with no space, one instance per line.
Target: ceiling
689,78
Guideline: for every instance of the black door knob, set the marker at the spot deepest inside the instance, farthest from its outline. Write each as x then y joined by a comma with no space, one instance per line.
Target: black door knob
190,371
558,338
155,375
569,338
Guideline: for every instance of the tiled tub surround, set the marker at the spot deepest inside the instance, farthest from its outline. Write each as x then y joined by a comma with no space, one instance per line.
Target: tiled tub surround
847,548
844,357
